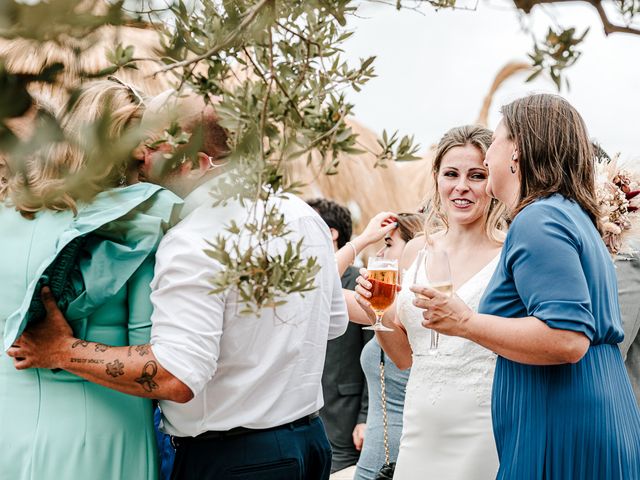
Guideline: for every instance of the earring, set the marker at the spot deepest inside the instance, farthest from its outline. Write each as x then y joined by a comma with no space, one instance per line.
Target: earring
514,158
513,169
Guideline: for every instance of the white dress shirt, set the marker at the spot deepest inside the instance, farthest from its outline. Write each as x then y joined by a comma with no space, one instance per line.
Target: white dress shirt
244,370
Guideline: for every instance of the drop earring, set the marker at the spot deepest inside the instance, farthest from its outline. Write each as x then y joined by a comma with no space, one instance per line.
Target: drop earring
512,167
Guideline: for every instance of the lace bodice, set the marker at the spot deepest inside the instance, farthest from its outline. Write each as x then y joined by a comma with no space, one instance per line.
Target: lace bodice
457,361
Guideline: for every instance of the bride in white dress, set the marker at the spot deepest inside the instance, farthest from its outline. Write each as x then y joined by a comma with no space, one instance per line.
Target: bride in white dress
447,431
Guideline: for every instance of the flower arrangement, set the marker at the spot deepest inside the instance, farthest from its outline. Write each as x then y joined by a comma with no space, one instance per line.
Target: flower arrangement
616,191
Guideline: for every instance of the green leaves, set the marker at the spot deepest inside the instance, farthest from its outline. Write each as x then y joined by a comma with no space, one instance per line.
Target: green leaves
14,96
57,20
395,148
555,53
280,81
263,264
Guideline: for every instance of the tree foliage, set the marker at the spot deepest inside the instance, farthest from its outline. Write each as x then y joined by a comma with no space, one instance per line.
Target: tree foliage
559,49
277,75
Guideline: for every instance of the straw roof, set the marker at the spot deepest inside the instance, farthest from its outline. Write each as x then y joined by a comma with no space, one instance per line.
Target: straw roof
28,56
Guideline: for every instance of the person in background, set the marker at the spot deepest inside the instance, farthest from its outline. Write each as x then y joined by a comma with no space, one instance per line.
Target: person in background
369,436
622,241
343,384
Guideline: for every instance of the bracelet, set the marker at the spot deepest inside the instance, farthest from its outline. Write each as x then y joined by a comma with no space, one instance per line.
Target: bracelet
355,252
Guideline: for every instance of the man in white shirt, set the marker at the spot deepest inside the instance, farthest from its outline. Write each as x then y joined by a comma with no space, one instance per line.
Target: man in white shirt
239,393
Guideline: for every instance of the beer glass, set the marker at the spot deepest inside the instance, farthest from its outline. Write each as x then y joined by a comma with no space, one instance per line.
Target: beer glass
433,271
383,275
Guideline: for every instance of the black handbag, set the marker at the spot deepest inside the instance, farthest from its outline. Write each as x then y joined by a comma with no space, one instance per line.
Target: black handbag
386,471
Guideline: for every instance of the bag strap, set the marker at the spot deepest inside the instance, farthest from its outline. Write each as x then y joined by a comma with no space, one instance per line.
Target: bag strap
383,396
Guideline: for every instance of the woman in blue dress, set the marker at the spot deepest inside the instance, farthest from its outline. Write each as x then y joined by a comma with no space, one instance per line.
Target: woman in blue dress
562,405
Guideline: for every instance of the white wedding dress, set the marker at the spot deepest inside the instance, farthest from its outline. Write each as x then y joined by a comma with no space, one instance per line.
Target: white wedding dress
447,431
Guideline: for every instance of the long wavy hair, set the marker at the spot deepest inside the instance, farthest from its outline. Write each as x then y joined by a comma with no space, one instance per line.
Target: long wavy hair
555,154
480,138
57,177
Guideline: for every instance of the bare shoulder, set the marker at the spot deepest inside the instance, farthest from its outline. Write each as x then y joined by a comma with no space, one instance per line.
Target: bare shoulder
411,251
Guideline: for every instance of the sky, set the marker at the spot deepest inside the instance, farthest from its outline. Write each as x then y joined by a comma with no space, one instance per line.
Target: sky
435,67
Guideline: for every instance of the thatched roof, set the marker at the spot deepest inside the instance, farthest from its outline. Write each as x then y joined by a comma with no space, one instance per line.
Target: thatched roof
27,56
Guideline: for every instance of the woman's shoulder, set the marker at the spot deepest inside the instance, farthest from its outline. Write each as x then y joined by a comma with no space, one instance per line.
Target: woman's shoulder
552,209
144,199
411,250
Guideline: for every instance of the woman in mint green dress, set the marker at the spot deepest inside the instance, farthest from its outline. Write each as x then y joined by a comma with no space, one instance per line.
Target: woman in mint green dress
55,424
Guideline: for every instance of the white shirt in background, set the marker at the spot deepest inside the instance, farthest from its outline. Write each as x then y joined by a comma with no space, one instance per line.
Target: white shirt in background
244,370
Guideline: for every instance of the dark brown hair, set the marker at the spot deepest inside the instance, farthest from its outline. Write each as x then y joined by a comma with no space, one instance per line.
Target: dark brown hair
555,154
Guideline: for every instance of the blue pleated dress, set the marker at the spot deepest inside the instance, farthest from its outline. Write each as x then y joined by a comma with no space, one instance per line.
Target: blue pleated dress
563,422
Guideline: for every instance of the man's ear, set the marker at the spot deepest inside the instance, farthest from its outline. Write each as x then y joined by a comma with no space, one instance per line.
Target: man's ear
334,234
204,162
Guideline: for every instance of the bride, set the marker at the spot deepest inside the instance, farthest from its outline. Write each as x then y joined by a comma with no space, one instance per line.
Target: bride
447,431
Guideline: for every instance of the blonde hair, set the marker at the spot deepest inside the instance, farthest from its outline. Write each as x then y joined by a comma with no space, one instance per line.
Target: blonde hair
4,178
480,138
410,225
22,127
59,176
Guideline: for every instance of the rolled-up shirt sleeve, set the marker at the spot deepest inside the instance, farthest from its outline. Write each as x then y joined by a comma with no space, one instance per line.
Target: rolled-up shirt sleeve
339,316
187,319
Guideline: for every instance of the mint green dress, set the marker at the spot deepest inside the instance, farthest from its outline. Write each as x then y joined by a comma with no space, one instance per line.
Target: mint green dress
55,425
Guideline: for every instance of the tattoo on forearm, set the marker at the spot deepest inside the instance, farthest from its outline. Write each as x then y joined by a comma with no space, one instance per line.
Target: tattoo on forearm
80,343
149,371
115,368
86,360
129,350
101,347
143,349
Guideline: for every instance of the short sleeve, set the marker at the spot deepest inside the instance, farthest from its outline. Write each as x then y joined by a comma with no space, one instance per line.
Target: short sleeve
543,256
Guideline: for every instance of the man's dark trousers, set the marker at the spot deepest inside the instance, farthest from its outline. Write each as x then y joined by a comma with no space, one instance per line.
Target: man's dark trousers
296,451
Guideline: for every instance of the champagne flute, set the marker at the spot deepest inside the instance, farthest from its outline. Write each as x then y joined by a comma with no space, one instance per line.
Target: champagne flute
433,270
383,275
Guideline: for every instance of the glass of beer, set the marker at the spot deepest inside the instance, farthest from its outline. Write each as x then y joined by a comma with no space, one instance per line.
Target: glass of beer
433,271
383,275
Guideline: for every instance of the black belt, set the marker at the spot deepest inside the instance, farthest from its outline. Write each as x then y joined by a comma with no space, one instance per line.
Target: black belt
212,435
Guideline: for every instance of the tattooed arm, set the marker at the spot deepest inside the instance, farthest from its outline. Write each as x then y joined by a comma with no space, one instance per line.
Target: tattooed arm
133,370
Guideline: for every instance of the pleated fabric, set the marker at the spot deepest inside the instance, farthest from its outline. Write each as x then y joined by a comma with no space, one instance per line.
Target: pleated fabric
575,421
572,421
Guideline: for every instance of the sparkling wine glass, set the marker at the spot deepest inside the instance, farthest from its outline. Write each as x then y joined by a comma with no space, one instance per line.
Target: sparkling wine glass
383,275
433,271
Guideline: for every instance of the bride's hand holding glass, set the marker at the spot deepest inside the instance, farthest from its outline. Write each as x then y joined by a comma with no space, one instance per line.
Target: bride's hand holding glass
446,314
364,292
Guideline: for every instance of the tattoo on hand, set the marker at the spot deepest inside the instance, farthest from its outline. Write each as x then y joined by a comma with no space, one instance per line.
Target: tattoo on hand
149,371
101,347
143,349
80,343
115,368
